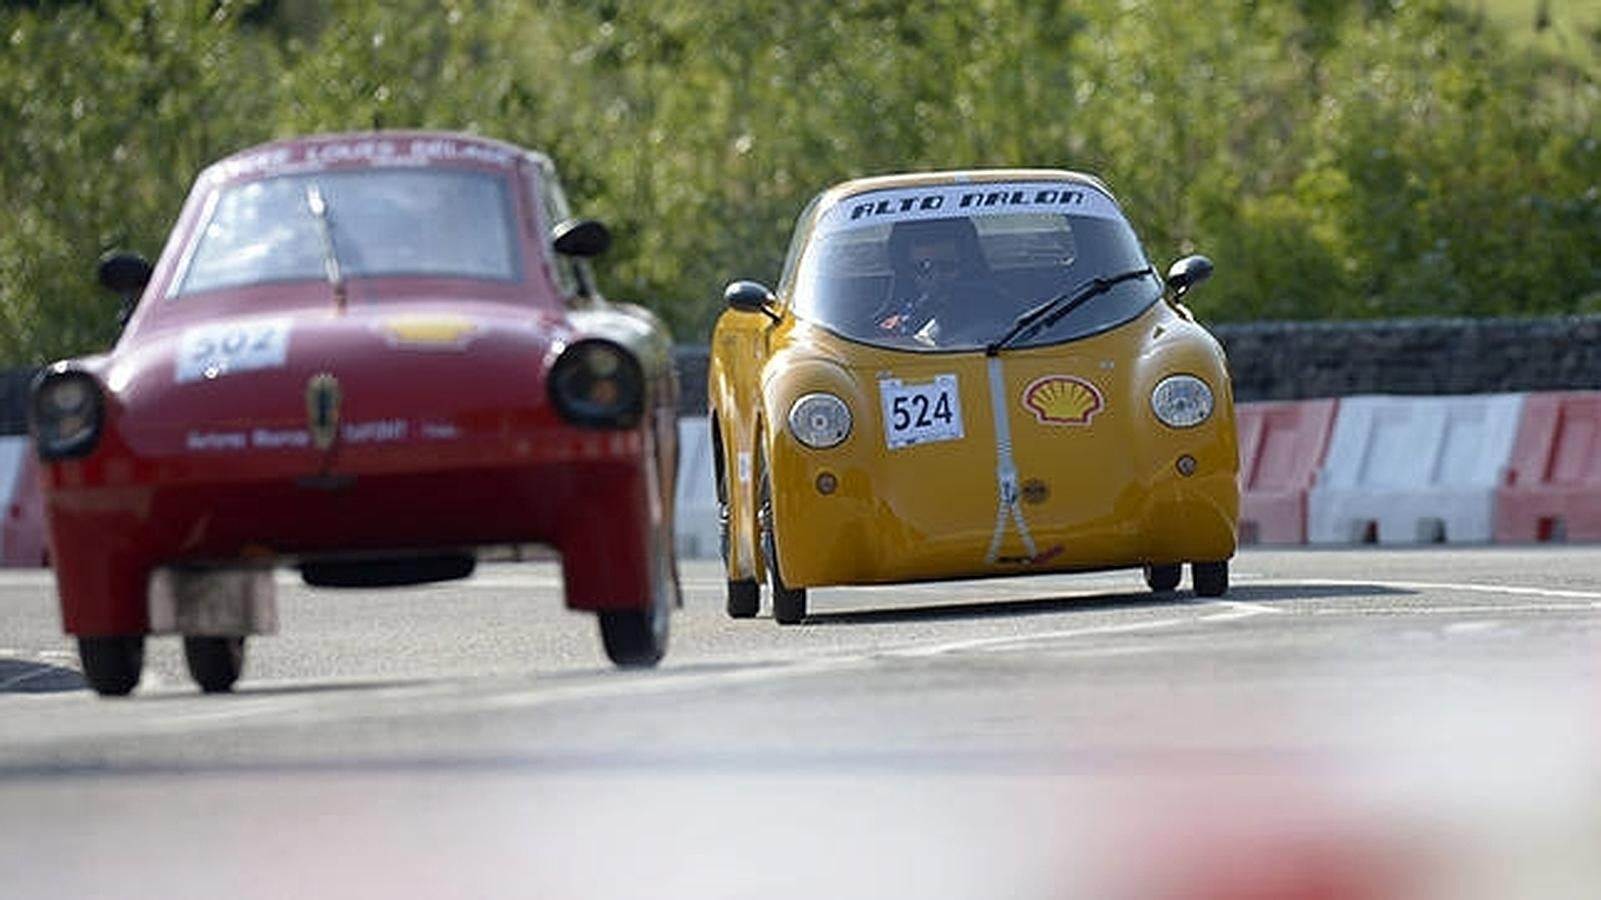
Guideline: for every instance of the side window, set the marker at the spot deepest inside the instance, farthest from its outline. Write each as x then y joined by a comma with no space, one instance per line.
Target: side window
553,207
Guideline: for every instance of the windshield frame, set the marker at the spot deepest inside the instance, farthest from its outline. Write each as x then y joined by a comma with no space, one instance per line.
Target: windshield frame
179,287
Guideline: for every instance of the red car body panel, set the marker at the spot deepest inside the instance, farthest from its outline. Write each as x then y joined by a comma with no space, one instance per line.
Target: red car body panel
445,437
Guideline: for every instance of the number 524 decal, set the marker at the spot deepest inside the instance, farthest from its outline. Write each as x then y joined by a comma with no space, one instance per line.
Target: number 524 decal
921,413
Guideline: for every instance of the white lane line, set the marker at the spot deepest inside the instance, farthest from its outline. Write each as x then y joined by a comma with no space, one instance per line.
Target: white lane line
927,650
1236,610
1482,608
1239,609
1469,588
1583,601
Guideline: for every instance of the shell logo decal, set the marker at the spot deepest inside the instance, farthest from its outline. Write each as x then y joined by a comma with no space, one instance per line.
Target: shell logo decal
1062,400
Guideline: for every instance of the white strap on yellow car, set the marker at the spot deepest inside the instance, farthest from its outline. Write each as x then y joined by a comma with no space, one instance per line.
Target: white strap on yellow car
1005,470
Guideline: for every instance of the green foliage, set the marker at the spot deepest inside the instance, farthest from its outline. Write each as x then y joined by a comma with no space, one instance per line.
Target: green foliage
1337,158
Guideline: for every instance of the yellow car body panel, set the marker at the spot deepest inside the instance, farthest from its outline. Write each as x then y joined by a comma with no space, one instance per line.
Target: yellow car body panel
1070,471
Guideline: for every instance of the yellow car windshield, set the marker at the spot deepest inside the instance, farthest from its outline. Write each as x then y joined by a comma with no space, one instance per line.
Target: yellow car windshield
952,267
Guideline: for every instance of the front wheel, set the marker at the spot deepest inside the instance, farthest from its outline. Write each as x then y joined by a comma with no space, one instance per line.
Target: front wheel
214,662
634,638
789,604
1211,579
637,638
744,598
112,664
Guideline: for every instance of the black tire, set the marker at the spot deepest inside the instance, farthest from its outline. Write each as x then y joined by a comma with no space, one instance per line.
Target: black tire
112,664
744,598
1210,579
214,662
637,638
789,604
1164,578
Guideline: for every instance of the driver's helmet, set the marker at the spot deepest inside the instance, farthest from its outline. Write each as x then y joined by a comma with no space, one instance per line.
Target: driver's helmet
931,252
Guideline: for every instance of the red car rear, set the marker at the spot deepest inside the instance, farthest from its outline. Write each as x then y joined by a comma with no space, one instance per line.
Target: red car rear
372,357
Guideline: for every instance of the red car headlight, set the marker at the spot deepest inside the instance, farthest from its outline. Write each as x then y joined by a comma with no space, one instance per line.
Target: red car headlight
598,384
67,411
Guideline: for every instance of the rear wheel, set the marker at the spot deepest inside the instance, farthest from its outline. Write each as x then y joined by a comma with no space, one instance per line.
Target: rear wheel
789,604
112,663
1211,579
1163,578
214,662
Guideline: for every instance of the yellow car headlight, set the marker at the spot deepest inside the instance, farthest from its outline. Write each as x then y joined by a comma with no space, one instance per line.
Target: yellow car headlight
820,421
1182,401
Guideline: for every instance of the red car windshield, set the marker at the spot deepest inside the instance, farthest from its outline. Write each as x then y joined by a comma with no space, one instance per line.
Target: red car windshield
952,267
395,222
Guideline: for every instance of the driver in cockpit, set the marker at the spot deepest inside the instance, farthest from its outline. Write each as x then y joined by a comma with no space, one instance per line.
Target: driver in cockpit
939,271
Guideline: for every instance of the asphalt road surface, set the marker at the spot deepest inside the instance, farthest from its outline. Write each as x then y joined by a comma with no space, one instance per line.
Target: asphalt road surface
1345,724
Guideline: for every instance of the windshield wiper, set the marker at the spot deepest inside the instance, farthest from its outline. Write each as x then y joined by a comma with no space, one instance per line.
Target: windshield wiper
1051,311
330,256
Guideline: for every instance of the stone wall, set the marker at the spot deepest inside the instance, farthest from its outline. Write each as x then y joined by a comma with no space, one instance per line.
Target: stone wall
1305,360
1293,360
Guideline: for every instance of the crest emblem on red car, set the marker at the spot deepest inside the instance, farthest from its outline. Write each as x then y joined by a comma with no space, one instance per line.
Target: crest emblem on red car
1062,400
322,409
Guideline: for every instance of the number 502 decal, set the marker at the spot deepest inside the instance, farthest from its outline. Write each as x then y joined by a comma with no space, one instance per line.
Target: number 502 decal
921,413
207,351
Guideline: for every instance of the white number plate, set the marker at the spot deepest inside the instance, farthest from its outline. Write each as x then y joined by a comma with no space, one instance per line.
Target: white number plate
921,413
212,350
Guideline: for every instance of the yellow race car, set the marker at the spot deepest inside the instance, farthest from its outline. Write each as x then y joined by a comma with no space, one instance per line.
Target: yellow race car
963,375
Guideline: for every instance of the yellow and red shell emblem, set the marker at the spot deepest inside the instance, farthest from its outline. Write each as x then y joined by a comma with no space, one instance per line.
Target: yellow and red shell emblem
1062,400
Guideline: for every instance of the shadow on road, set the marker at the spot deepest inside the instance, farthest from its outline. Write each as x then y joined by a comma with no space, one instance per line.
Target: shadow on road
19,676
988,609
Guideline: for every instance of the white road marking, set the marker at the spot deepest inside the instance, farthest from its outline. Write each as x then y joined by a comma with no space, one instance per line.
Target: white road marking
927,650
1467,588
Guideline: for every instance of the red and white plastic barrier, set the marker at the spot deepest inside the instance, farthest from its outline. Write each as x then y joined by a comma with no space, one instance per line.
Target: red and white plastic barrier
22,525
23,540
1281,448
1413,470
695,504
1552,489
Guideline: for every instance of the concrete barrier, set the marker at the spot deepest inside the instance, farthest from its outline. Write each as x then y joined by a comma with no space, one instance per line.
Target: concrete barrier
1281,448
1407,470
696,500
1552,490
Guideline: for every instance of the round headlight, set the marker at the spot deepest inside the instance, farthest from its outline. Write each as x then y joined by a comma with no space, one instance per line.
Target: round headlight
67,413
820,421
598,384
1182,401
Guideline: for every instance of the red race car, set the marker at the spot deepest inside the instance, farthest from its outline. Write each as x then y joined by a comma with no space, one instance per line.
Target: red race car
373,357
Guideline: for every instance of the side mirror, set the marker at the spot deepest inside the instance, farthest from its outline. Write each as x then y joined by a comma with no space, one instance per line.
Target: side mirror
1187,273
581,237
124,274
751,296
